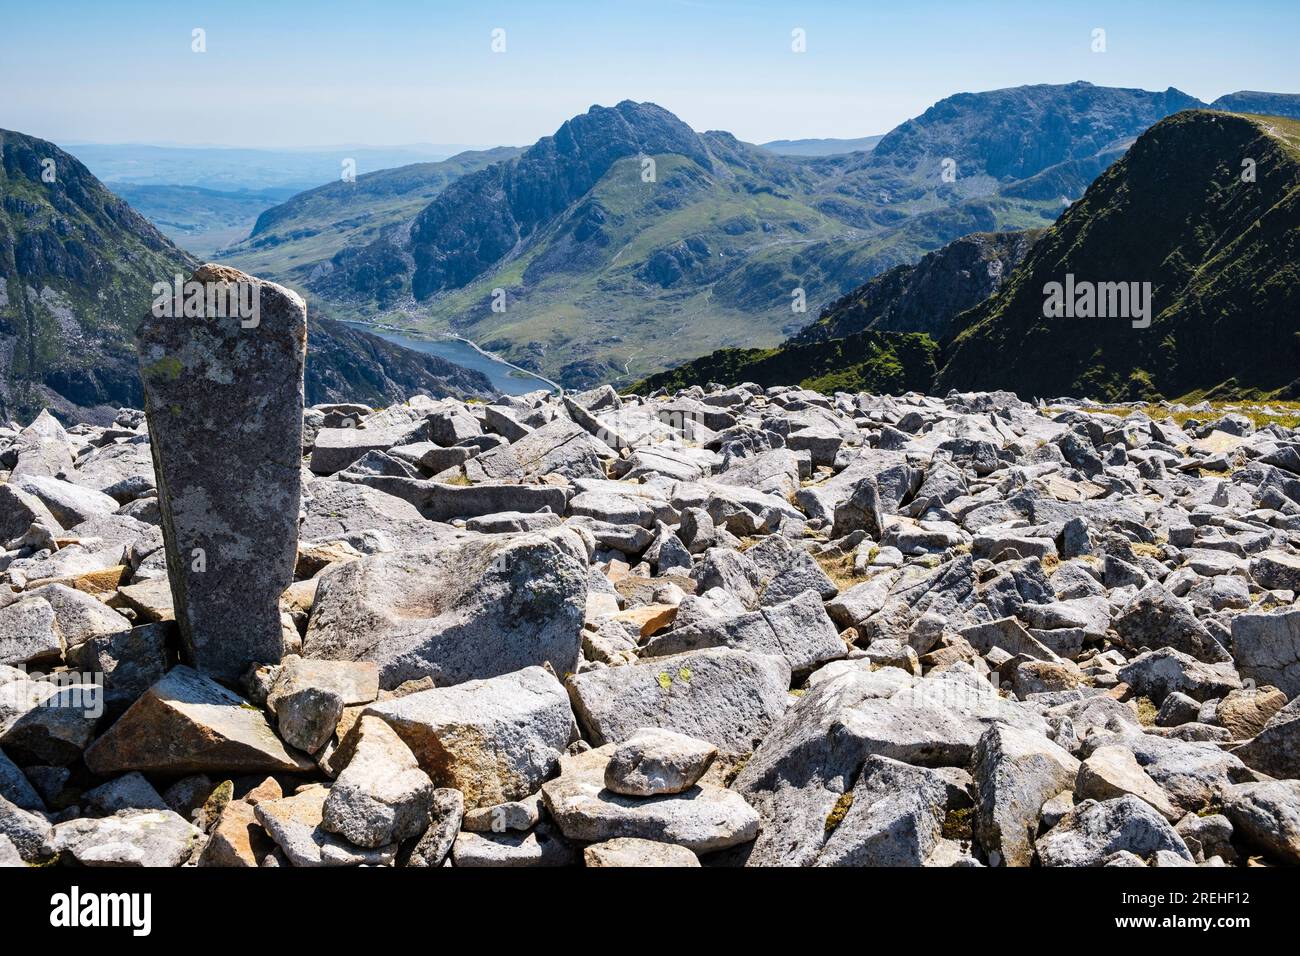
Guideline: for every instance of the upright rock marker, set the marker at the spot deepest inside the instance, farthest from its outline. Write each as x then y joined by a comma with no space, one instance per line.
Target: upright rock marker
221,362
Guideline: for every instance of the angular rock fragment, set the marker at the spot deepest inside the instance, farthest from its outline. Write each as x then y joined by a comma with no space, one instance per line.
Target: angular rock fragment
294,823
1094,830
494,740
728,698
488,606
654,761
630,851
703,819
188,723
1015,774
381,796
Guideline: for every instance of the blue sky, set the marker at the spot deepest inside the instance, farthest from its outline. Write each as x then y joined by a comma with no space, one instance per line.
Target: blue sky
283,73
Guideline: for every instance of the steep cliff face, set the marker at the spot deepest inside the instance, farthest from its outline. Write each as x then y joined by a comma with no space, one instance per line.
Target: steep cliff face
1205,208
927,296
77,266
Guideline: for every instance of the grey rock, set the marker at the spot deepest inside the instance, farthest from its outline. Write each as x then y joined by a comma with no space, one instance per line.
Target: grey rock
29,832
381,796
894,817
703,819
446,810
495,740
1268,816
128,792
542,846
633,852
487,606
16,788
654,761
1016,772
727,698
28,633
1094,830
294,823
1267,649
515,815
797,630
1157,674
188,723
135,838
230,553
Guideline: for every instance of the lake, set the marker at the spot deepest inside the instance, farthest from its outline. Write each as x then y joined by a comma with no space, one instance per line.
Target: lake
505,378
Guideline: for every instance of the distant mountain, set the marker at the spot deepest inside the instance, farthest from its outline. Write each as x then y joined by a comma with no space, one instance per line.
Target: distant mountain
580,260
291,239
200,221
1263,104
1220,250
77,266
821,147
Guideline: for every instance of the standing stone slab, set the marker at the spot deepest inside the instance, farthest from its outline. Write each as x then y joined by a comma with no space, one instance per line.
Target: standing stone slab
224,399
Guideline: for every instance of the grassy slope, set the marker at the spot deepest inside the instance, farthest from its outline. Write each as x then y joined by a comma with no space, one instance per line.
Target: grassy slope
291,239
1221,254
881,362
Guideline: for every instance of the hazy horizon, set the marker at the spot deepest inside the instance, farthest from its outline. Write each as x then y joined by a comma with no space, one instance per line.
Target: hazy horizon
293,76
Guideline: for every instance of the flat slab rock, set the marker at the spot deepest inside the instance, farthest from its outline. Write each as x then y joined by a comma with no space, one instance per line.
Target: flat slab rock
138,838
703,818
494,740
188,723
490,605
727,698
629,851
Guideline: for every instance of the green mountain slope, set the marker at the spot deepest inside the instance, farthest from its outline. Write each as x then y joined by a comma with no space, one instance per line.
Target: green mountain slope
926,296
880,362
605,276
77,268
289,240
1222,256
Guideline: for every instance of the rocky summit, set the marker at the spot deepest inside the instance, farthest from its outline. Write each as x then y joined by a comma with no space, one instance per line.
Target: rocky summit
745,626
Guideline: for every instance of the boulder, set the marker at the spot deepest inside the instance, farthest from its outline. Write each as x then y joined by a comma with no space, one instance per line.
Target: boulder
294,823
188,723
494,740
490,605
230,543
1268,816
1267,649
728,698
381,796
1094,830
630,851
1015,773
703,818
654,761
